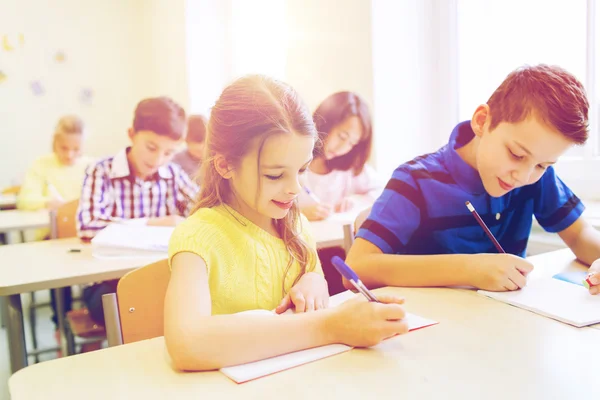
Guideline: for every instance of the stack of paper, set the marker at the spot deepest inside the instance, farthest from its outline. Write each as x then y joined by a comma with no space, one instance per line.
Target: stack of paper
246,372
128,240
556,299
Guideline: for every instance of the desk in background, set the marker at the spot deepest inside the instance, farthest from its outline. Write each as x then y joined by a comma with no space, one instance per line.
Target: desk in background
48,264
18,220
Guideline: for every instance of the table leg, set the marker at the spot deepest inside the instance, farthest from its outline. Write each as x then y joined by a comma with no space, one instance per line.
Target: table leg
15,332
2,312
60,316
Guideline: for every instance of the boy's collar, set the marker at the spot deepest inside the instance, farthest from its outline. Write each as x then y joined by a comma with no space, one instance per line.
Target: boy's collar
464,175
120,167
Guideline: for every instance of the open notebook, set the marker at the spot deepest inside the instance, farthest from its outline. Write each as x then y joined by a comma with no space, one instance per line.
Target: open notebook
554,298
246,372
120,240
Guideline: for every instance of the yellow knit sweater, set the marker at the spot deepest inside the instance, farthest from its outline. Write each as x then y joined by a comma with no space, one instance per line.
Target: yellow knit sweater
245,264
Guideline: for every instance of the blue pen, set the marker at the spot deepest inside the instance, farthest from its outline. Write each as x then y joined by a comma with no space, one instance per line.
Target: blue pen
351,276
311,194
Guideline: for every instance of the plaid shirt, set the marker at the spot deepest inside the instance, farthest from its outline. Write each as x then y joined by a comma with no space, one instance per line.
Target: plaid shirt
111,193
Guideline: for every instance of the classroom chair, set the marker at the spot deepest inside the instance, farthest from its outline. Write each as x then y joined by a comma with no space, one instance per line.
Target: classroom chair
62,225
136,311
351,229
78,322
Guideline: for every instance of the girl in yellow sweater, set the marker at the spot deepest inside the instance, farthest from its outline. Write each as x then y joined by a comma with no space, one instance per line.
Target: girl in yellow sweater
247,246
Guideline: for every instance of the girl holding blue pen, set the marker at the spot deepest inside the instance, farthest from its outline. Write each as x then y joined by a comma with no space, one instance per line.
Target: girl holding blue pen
246,246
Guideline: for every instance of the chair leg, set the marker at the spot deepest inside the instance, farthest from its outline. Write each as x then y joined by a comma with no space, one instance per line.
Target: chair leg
33,326
70,340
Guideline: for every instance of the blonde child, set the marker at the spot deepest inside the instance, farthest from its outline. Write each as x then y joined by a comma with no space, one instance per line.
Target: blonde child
246,246
56,178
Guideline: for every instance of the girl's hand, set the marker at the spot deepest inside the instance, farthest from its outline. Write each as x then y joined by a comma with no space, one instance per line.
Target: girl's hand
360,323
309,294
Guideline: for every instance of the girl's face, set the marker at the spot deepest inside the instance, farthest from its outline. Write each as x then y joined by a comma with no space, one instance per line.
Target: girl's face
265,186
343,137
67,148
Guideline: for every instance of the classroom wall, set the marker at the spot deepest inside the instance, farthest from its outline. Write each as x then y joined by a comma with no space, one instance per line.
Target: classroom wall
415,79
121,50
329,48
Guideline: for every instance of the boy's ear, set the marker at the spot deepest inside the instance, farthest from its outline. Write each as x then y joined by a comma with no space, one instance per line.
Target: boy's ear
130,133
223,167
481,120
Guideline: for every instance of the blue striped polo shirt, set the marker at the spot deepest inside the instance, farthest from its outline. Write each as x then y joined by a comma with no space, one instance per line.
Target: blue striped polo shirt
422,209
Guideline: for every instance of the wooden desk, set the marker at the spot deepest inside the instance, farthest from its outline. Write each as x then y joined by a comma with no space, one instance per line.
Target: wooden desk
48,264
481,349
330,232
18,220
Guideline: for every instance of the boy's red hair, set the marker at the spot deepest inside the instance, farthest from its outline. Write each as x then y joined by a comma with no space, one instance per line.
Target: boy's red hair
551,93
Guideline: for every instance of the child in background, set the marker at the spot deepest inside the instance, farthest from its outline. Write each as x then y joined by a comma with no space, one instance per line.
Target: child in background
139,183
191,158
55,179
247,246
339,178
420,233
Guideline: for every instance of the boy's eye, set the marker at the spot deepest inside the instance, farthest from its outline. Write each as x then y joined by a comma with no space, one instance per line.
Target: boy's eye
516,157
273,177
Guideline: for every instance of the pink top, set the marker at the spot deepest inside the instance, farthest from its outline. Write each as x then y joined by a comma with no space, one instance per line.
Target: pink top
335,186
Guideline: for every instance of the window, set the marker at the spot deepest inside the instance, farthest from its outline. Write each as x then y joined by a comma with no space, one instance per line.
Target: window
496,36
230,38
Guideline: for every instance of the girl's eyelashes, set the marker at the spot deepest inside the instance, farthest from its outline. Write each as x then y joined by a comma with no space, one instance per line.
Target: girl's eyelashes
273,177
516,157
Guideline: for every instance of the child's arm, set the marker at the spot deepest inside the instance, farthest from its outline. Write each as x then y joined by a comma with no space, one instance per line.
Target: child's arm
583,239
95,204
497,272
32,195
187,190
198,341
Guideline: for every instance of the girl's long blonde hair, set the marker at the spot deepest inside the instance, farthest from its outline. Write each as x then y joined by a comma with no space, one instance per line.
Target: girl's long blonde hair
253,108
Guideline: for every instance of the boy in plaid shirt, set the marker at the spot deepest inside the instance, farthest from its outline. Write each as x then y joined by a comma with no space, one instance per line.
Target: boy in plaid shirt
139,183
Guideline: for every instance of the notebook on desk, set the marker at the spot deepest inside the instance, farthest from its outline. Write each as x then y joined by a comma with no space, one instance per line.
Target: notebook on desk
129,240
247,372
554,298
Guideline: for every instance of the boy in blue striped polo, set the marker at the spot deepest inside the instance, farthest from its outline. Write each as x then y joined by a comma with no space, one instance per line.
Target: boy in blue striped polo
420,233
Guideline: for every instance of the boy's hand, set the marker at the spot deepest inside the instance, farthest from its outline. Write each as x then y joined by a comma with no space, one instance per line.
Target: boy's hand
594,277
499,272
169,220
309,294
317,212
